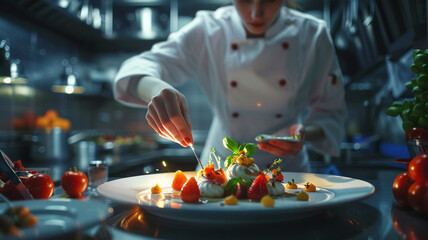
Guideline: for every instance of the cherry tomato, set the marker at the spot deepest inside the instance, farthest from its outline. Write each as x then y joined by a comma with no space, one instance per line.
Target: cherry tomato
400,188
74,183
416,133
416,195
418,168
39,185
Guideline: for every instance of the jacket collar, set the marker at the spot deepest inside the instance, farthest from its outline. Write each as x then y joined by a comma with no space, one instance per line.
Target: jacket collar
239,29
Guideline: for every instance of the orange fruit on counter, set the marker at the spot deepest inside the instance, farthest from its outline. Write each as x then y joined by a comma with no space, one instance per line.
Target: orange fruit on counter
62,123
179,180
42,123
190,191
51,114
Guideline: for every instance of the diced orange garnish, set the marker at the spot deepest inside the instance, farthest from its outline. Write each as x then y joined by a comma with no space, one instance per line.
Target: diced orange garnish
156,189
267,201
179,180
309,187
230,200
218,176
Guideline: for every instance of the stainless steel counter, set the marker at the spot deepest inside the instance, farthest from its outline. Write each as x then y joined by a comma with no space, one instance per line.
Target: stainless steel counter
377,217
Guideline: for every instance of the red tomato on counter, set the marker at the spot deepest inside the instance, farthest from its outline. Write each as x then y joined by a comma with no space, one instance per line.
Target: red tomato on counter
418,168
400,188
39,185
416,195
74,183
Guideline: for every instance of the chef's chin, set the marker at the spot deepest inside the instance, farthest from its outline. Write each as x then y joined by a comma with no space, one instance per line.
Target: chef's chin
255,31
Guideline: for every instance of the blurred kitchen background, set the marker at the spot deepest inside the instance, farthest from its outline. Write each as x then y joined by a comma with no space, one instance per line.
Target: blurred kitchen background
62,55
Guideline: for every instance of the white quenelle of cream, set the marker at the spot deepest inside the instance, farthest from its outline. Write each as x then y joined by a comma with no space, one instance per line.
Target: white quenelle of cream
276,190
247,173
209,189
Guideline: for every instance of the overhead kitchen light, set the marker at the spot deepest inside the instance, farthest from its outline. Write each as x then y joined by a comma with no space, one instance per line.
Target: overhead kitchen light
9,72
68,83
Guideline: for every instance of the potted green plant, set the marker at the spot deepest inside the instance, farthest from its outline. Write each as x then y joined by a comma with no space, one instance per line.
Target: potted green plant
409,187
414,111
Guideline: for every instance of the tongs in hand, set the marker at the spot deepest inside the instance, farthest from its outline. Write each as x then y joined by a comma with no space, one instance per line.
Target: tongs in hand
7,169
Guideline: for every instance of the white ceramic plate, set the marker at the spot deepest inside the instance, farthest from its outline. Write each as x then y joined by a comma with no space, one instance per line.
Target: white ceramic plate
60,216
331,190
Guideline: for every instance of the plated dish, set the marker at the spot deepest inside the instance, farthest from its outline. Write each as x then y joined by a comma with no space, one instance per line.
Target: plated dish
332,191
59,217
236,192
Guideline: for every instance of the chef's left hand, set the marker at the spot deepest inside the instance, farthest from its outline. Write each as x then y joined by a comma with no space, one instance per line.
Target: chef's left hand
283,147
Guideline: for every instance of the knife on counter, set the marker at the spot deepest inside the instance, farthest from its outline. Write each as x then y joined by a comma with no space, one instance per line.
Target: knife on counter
5,167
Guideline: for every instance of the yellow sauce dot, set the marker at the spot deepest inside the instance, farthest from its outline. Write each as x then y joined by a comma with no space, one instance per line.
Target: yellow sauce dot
302,196
267,201
231,200
156,189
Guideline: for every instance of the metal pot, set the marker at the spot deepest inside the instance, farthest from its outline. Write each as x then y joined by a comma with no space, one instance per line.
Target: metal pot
50,146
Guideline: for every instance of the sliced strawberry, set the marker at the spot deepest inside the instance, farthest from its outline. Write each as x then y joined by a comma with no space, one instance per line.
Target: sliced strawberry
241,191
258,189
190,191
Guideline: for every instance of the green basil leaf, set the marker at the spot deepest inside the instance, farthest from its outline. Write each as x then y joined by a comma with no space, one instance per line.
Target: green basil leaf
228,161
250,149
233,182
230,144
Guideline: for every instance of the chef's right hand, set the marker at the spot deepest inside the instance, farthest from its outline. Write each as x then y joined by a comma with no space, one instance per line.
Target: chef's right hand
169,116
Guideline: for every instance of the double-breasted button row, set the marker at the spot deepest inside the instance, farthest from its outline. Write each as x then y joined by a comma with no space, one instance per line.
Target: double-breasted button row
236,115
282,82
235,46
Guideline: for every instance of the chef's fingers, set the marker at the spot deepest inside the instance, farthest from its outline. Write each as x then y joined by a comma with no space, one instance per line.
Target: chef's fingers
156,124
166,118
286,145
186,113
155,127
177,118
272,149
292,148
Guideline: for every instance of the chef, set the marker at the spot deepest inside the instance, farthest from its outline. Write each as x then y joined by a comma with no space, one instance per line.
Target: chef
265,68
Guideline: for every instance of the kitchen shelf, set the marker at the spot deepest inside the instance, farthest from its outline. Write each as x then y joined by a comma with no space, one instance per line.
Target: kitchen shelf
42,16
56,22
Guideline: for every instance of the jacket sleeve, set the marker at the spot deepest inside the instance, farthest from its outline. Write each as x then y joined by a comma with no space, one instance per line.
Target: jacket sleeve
174,61
327,107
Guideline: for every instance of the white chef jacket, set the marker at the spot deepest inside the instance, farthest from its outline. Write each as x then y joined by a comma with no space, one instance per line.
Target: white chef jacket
254,85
